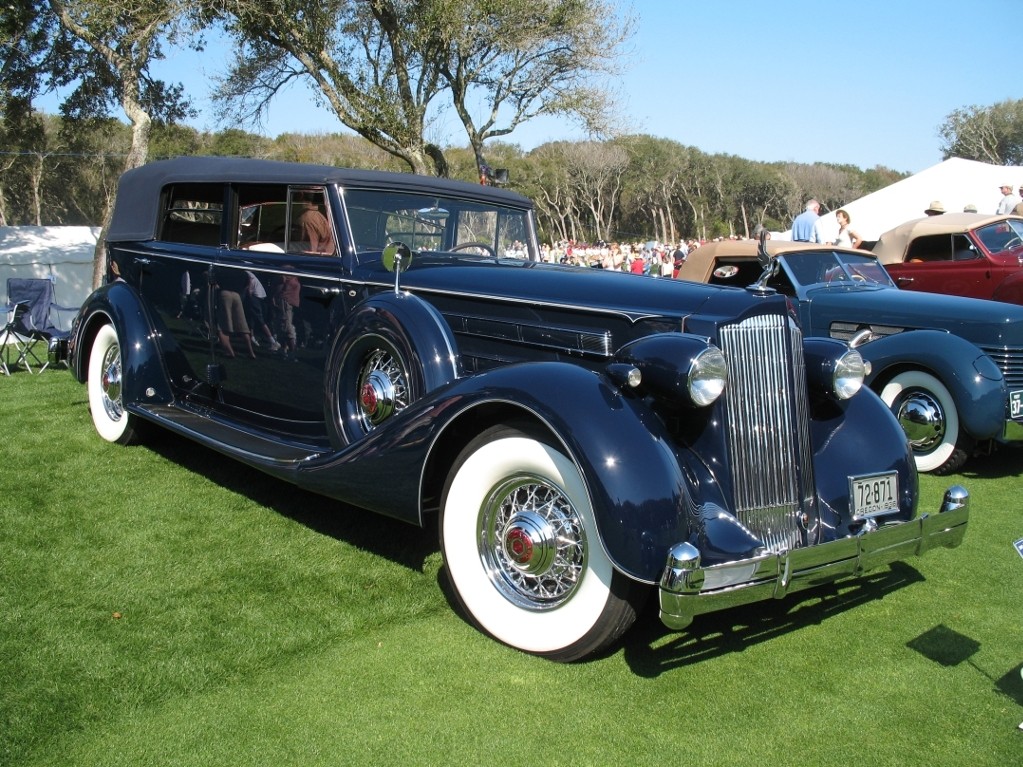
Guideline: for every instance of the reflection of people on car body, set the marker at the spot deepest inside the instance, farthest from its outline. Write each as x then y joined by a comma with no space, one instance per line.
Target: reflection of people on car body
231,310
287,291
255,294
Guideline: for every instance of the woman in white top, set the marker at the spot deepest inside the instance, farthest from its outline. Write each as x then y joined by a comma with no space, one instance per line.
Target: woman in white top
847,238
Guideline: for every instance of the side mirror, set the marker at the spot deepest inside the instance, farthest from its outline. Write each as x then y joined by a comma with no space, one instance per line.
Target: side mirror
396,258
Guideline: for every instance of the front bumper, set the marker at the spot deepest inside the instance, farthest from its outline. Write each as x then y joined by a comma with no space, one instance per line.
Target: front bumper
1013,432
687,589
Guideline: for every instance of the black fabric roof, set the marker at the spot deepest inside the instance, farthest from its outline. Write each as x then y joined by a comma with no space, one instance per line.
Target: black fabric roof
136,211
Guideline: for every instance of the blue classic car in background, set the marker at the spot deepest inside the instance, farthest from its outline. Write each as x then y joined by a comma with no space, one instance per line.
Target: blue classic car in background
578,437
951,382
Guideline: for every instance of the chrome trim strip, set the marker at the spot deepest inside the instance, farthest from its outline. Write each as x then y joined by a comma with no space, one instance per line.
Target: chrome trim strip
632,317
564,339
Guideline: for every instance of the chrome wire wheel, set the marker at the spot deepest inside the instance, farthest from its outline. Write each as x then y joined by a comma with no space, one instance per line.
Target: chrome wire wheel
105,385
383,388
110,383
522,551
532,543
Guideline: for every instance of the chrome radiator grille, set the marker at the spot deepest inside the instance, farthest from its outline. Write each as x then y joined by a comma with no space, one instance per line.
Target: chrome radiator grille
1010,360
768,428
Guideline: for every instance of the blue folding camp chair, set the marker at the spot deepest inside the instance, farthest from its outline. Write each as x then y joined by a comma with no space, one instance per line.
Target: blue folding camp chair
30,309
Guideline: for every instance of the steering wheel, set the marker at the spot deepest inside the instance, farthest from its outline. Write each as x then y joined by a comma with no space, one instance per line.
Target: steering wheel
479,246
1012,242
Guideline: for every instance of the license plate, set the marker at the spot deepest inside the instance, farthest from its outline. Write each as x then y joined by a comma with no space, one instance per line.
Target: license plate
874,494
1016,404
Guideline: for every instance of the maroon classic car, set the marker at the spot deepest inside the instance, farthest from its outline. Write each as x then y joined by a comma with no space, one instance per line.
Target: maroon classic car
962,254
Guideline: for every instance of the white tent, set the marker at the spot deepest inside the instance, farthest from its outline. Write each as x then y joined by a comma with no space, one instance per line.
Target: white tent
956,183
62,253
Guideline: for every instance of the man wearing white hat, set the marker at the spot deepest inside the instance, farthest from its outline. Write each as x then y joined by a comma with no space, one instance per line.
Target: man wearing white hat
1008,201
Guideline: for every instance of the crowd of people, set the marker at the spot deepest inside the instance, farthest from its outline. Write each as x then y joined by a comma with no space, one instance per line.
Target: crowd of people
651,257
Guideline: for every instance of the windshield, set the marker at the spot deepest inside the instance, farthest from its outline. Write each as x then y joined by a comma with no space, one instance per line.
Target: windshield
1001,236
439,224
834,268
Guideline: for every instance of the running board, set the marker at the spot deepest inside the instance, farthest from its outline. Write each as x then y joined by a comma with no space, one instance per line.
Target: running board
248,446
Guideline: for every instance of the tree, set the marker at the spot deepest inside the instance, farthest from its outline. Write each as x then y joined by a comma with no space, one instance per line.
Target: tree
366,58
522,59
382,66
991,134
101,50
121,38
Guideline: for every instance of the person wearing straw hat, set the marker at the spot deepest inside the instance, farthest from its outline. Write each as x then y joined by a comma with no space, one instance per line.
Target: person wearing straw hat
1008,201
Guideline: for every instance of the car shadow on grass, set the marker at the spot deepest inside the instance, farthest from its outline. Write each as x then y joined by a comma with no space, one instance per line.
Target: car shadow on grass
652,649
1005,461
397,541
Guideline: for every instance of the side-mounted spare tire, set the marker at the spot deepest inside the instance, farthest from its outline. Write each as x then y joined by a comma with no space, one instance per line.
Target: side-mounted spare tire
393,349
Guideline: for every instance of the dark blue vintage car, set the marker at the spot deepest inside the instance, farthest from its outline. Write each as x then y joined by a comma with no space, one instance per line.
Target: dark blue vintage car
577,436
955,382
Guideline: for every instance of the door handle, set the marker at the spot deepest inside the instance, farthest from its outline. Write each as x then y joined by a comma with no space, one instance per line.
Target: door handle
143,260
330,291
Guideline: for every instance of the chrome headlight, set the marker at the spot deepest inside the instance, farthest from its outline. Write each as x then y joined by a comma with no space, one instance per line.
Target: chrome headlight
708,374
679,369
850,370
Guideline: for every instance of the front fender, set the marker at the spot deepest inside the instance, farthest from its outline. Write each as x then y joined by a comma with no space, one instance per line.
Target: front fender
640,485
145,378
1010,290
973,380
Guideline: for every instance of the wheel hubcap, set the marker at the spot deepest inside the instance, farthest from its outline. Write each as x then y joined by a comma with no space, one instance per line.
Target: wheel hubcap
922,418
532,543
110,383
382,389
377,397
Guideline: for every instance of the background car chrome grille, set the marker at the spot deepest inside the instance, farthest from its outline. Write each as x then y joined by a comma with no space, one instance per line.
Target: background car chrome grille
1010,360
768,429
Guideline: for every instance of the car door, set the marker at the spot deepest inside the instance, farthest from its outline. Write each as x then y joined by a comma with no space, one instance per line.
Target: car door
278,290
172,275
947,263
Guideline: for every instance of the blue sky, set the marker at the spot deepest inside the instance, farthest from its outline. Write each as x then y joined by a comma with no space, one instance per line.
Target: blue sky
865,82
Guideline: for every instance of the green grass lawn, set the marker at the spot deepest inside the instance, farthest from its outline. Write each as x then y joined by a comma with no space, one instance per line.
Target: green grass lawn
161,605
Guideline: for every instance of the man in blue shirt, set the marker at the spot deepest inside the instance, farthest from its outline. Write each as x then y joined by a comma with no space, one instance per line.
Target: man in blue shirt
803,229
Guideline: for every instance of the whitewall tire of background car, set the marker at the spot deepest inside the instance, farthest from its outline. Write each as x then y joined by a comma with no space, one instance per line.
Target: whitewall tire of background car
522,552
928,414
112,421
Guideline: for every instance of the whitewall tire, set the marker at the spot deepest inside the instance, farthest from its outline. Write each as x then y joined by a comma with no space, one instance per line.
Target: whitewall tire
928,415
113,423
522,552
